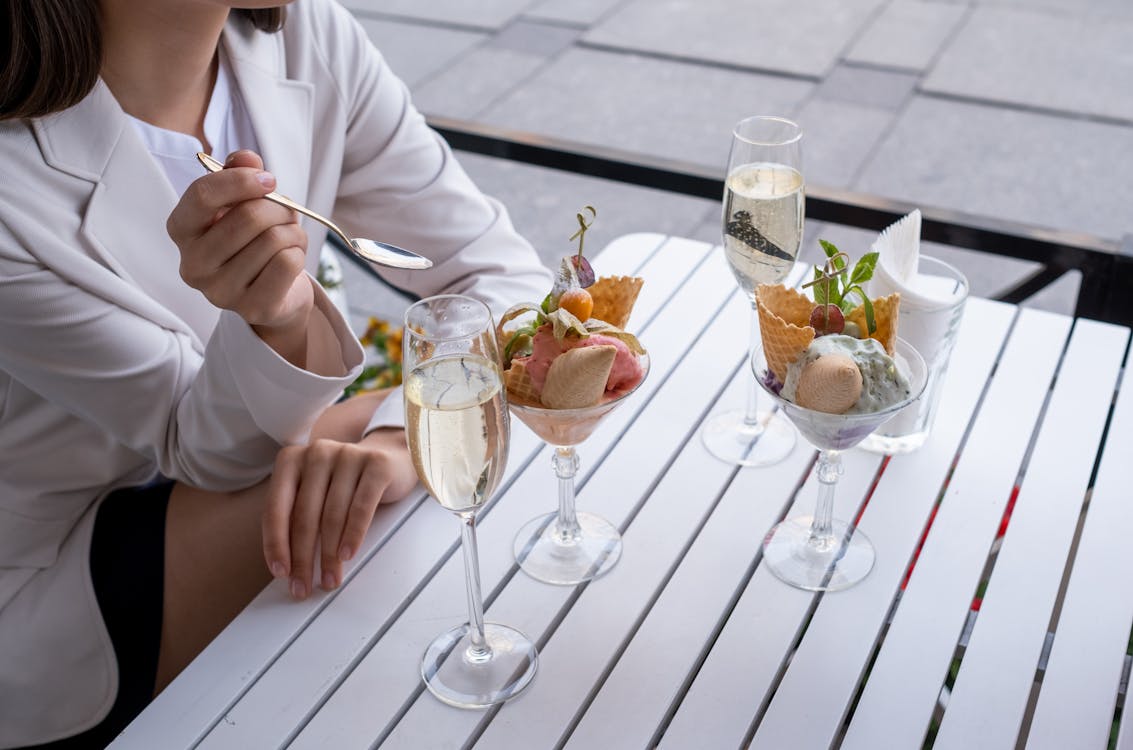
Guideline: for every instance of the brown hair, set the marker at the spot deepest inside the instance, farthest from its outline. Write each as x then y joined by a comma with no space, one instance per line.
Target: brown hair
51,52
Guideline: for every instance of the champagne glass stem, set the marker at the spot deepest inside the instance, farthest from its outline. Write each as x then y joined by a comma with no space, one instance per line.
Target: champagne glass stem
827,470
751,414
478,650
565,461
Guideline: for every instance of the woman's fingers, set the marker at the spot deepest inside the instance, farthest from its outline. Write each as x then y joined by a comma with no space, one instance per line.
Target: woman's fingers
321,501
340,496
195,213
368,495
277,511
307,513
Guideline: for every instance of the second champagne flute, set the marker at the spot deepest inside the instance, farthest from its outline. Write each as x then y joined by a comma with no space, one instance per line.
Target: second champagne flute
762,231
457,424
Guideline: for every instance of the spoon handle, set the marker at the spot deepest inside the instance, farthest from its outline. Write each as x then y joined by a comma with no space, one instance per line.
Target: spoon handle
213,165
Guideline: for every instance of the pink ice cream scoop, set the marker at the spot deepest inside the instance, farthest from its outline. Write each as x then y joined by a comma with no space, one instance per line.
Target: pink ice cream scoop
627,370
625,373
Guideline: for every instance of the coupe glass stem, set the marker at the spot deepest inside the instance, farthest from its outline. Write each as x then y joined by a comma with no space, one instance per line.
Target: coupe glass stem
751,414
478,650
565,462
827,470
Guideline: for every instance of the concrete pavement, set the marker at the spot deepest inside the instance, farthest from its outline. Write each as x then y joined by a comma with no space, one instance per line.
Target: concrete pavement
1015,109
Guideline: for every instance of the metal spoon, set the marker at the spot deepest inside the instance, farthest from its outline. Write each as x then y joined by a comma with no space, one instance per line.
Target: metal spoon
382,253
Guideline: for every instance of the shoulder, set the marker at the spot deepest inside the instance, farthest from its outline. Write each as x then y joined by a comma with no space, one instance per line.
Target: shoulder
328,30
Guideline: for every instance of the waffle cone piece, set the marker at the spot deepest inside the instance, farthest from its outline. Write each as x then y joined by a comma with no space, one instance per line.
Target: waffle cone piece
520,387
614,297
885,310
577,377
784,325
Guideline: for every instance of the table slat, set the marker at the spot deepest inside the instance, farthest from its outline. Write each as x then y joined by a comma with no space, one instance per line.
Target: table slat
905,680
994,684
818,687
1075,706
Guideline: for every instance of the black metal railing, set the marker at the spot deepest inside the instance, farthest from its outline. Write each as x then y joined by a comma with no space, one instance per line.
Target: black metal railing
1105,292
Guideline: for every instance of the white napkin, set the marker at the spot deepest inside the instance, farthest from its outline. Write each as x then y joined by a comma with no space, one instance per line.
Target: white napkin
899,250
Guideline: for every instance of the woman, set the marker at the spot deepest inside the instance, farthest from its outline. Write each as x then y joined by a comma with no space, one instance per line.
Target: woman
161,336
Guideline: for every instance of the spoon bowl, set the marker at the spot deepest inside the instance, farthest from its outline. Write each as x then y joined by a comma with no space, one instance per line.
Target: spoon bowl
379,253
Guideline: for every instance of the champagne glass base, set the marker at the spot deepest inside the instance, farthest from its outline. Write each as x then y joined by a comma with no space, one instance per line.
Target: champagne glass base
729,437
457,675
789,553
545,556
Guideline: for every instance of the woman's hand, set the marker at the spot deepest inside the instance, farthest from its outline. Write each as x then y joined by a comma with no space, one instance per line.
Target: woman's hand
322,496
246,254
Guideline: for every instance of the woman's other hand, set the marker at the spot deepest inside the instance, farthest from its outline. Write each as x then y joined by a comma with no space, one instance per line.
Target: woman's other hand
246,254
321,499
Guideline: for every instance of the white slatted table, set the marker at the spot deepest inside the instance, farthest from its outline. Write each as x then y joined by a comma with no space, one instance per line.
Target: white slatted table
689,642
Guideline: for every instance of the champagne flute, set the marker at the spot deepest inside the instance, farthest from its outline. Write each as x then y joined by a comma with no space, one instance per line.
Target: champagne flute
457,426
762,231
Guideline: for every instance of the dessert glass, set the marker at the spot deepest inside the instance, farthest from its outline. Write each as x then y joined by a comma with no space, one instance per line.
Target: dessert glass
820,552
568,547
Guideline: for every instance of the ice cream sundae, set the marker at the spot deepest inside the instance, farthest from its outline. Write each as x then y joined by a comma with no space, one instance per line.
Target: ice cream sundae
830,354
570,352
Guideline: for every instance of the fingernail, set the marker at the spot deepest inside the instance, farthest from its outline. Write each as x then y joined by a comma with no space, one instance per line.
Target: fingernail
298,590
267,179
231,158
277,570
345,553
328,580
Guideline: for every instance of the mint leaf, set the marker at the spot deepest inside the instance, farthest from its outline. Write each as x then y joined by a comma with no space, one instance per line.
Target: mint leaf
863,269
829,248
867,305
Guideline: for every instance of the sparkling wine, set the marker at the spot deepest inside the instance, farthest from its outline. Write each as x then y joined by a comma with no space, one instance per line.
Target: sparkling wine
457,425
763,222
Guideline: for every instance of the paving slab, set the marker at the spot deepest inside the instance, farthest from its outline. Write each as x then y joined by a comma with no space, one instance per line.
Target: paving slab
663,108
535,38
574,12
907,35
414,51
800,38
838,137
870,87
542,204
1068,63
475,81
1085,8
482,14
1038,169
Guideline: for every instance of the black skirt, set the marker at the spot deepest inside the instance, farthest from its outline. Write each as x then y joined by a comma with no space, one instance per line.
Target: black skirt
127,565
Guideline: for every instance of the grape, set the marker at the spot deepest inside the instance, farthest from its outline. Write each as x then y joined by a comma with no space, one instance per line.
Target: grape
825,319
585,272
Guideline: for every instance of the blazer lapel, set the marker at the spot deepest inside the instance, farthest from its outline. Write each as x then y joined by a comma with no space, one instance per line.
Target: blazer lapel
124,222
281,110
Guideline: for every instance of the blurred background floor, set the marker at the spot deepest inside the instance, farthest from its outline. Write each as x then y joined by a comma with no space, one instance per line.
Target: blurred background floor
1012,109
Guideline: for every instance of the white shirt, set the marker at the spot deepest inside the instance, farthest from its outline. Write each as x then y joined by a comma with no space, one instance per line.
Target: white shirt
227,127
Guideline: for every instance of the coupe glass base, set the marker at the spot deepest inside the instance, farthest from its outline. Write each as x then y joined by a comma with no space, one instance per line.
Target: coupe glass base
732,440
789,553
454,674
544,555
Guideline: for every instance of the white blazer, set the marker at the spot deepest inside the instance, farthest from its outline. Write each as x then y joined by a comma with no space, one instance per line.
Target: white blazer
112,369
